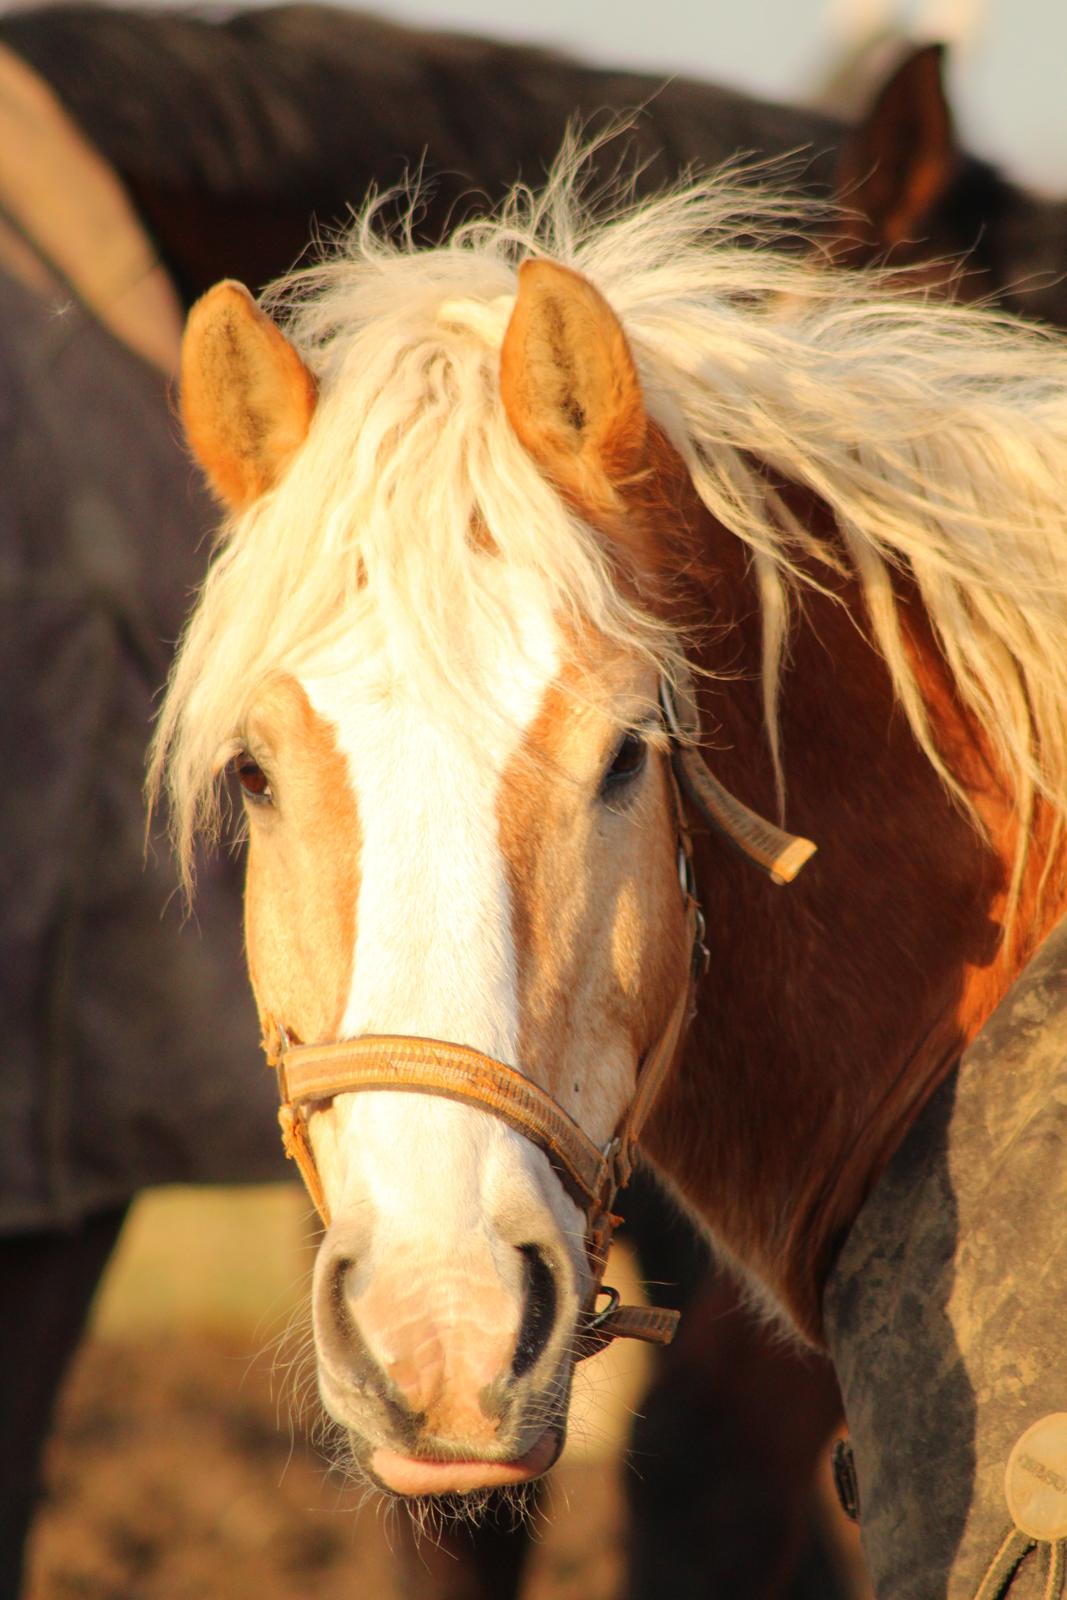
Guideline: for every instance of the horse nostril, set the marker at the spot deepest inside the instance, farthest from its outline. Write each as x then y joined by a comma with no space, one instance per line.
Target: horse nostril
338,1298
539,1312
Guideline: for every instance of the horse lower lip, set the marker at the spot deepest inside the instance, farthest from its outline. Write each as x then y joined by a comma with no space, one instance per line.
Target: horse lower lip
410,1475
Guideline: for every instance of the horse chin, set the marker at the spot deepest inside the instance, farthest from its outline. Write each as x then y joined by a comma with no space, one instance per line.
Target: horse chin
461,1481
402,1455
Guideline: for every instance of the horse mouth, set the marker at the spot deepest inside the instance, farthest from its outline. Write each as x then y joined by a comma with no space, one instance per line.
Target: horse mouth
417,1476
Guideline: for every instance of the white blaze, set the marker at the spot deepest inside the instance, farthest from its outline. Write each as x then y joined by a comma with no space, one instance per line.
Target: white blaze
434,953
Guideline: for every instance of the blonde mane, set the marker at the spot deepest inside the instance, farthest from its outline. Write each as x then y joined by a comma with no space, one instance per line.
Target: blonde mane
935,434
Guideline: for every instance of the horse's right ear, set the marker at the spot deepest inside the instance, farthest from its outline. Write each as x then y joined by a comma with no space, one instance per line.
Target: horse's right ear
896,165
570,387
246,395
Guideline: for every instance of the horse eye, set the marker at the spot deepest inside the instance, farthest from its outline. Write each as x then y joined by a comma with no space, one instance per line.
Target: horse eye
252,778
626,763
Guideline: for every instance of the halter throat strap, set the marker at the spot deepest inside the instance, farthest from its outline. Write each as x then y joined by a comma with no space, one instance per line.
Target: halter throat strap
779,854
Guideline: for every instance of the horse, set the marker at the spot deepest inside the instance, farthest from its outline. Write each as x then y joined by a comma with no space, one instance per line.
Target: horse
540,548
226,165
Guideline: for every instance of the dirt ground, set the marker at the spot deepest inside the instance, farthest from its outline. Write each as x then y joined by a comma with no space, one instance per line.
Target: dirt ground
173,1477
179,1469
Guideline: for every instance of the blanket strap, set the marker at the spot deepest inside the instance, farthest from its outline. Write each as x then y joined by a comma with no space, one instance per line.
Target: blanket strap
1012,1552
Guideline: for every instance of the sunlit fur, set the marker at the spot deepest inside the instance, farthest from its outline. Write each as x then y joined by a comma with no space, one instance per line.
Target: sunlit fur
935,433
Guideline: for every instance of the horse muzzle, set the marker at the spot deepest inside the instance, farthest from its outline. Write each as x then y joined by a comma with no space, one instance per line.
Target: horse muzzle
446,1342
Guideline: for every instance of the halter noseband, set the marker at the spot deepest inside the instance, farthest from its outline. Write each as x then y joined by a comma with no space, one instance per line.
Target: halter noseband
311,1075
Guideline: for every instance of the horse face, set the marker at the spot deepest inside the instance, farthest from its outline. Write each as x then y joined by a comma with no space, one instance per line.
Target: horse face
511,887
504,878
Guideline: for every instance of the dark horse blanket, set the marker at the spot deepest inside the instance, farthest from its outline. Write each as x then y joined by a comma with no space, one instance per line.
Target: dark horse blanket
945,1317
129,1037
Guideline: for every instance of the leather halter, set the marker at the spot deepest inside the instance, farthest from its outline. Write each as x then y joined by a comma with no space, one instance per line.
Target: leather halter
311,1075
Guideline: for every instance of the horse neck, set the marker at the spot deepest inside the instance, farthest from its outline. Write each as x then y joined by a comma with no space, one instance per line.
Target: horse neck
834,1008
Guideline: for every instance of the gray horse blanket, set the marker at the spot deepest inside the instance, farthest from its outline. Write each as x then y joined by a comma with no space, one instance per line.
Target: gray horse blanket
945,1320
129,1036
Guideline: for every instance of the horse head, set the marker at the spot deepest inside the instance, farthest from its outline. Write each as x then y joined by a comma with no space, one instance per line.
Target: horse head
491,864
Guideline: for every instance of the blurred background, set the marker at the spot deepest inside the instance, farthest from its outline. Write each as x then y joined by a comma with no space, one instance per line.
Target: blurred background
1005,74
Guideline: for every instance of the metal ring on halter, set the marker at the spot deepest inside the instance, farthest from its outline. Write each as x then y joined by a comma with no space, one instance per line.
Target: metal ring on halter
701,959
596,1319
611,1150
686,881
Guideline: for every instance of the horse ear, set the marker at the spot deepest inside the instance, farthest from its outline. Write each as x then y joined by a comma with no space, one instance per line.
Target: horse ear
246,396
570,387
897,164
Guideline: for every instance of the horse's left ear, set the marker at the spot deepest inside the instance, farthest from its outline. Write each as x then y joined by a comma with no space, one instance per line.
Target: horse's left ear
570,387
246,395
